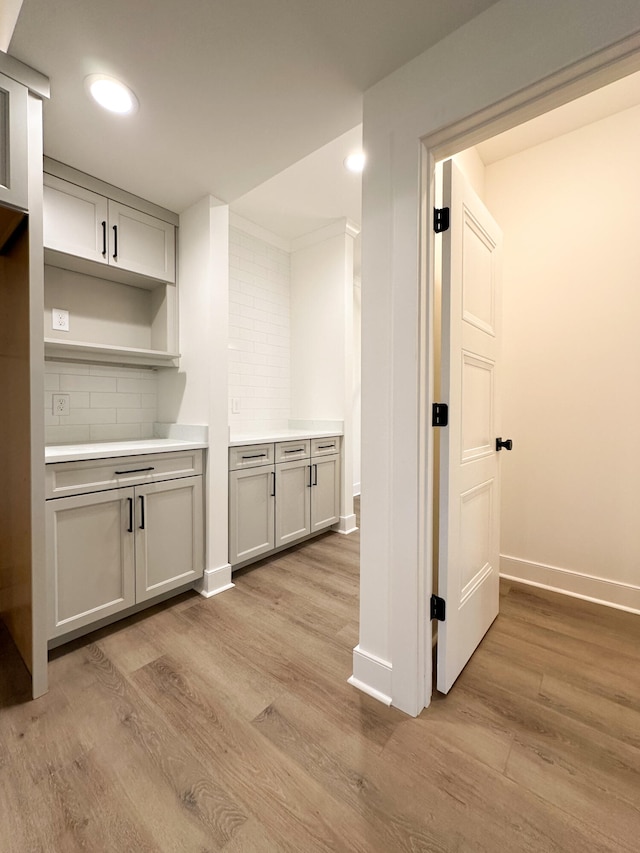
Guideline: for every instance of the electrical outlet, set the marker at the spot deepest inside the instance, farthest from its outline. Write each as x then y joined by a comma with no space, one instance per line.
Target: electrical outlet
235,406
60,319
60,404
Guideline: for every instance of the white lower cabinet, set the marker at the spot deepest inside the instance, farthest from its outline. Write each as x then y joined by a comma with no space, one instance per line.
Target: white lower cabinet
108,550
279,494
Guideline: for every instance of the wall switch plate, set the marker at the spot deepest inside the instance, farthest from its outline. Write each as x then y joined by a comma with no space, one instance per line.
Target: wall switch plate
60,319
235,406
60,404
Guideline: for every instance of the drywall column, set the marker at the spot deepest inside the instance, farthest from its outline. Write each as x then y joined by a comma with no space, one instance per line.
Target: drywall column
511,48
322,340
197,392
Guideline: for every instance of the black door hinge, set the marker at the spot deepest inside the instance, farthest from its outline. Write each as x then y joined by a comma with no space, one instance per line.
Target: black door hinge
438,608
440,219
439,415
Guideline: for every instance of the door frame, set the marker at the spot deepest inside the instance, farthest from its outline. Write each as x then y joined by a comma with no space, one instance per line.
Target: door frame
560,88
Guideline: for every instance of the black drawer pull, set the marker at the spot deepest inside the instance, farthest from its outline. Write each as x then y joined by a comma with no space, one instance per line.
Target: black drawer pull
136,470
326,446
297,450
255,456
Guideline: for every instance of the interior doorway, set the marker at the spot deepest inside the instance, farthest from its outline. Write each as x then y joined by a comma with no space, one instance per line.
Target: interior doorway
577,347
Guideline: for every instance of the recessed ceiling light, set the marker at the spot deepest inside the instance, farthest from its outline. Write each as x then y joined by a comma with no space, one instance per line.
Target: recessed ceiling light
355,162
111,94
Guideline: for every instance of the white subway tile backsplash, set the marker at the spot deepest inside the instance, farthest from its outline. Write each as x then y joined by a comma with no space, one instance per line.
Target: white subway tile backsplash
115,432
258,332
87,383
89,416
118,401
105,402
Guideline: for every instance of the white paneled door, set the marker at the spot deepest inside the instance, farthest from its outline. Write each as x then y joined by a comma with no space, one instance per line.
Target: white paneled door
469,534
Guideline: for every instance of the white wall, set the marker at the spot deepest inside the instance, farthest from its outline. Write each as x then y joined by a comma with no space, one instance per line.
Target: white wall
196,393
259,332
507,50
322,339
569,210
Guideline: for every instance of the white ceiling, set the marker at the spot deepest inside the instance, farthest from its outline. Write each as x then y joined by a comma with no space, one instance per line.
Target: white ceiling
231,91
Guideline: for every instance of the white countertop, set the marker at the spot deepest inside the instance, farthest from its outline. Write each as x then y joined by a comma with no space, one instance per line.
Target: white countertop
281,435
107,449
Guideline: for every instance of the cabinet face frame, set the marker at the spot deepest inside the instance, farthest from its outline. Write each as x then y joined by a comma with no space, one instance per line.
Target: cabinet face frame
292,501
53,512
72,212
325,492
149,536
160,265
13,143
251,527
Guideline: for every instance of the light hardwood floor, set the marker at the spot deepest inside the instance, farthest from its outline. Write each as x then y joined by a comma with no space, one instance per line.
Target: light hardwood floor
228,724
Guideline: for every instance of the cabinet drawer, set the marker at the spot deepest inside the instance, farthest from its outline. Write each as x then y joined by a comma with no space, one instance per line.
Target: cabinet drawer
94,475
286,451
325,446
250,455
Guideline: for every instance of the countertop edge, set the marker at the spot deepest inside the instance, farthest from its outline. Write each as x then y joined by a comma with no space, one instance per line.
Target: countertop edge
284,435
110,450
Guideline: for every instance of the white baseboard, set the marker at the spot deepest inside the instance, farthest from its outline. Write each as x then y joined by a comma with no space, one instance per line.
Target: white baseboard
622,596
347,524
371,675
215,581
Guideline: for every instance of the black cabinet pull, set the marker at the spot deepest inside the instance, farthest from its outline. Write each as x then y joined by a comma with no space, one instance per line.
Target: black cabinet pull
141,512
255,456
115,242
326,447
315,475
136,470
310,483
273,484
130,527
104,239
297,450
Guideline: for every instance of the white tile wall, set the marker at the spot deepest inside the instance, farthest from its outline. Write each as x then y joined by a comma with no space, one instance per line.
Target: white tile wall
259,333
106,403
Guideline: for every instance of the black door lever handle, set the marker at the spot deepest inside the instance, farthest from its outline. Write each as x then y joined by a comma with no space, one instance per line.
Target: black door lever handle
507,444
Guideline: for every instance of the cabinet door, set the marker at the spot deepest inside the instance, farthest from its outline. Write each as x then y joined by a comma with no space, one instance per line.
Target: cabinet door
75,220
169,537
293,501
13,143
141,243
325,493
90,558
251,513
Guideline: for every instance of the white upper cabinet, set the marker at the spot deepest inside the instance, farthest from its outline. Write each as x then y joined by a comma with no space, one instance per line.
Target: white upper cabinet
141,243
119,241
75,220
13,143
